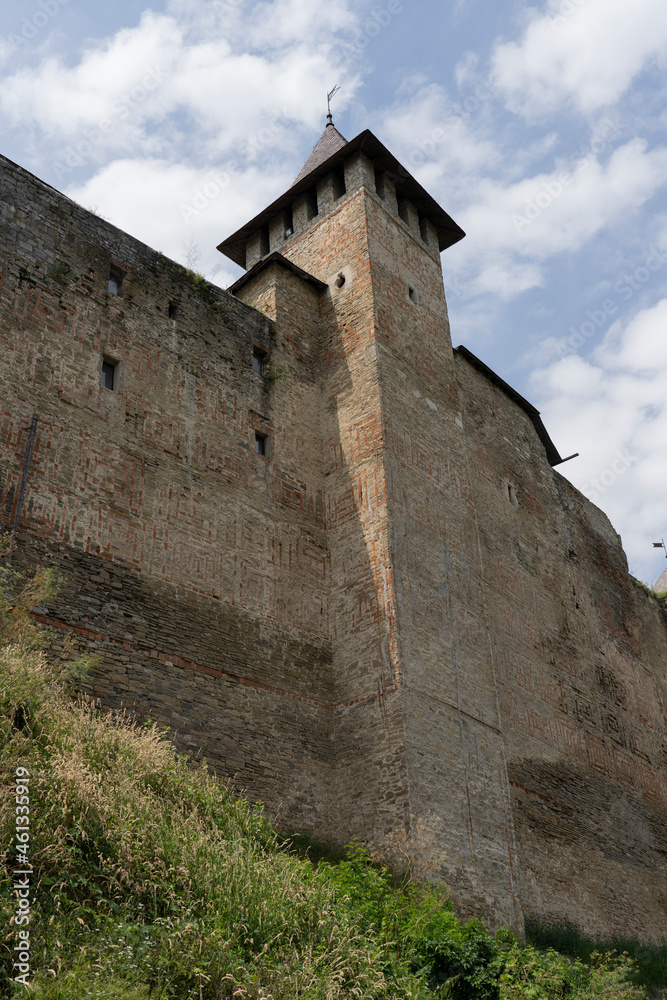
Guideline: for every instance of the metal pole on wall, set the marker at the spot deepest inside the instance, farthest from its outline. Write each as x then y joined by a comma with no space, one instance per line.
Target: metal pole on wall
24,479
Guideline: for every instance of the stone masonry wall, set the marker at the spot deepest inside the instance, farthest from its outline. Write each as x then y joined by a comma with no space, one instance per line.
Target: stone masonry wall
365,625
455,751
417,735
580,657
195,568
371,783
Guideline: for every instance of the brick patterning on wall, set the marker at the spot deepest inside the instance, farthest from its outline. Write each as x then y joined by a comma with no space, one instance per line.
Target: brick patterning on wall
581,666
198,570
359,627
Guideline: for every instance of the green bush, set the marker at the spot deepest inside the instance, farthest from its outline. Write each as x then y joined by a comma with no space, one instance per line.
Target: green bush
460,960
649,960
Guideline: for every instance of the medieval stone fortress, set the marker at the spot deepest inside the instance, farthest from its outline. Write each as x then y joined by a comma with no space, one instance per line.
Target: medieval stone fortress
332,554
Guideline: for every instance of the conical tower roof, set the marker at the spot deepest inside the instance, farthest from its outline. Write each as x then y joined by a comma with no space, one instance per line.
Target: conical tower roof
328,143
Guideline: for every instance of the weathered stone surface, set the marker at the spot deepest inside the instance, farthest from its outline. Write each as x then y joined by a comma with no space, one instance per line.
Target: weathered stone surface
363,625
581,665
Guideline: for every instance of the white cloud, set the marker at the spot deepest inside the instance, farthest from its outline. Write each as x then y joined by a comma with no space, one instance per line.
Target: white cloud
586,52
65,100
155,113
641,348
516,220
201,81
435,136
512,228
234,96
613,410
278,24
166,205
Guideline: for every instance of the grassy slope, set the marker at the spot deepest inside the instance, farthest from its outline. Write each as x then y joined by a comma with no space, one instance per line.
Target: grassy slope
149,875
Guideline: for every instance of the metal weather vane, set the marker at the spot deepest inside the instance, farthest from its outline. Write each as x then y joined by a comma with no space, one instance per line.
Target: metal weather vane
329,96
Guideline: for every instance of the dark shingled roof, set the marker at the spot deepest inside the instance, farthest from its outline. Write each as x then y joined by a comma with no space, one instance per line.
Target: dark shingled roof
328,143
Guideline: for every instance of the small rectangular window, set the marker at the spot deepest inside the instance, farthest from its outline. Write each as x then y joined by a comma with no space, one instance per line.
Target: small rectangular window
172,310
413,295
109,375
289,223
379,184
423,228
403,209
258,359
115,282
264,241
339,187
261,444
311,203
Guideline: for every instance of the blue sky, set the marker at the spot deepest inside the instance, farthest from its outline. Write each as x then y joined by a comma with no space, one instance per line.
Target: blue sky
540,129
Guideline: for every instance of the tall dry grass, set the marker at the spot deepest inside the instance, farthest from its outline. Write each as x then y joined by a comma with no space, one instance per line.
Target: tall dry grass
151,879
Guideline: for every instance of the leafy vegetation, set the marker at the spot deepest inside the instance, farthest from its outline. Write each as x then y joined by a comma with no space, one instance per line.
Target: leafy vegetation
61,272
660,595
650,959
151,879
272,374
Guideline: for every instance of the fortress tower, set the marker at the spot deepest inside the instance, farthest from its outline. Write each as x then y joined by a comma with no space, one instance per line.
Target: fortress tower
416,704
330,552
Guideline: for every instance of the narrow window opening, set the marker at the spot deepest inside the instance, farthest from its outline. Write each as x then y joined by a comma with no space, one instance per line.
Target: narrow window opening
403,209
172,310
258,359
340,280
289,223
511,495
109,375
261,444
379,184
423,228
413,295
115,282
264,241
311,203
339,187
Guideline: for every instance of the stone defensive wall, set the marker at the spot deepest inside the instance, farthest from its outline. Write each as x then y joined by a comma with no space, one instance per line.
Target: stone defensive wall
332,554
194,567
580,656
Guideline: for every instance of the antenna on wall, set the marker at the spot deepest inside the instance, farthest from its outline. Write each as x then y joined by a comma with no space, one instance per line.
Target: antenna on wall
329,96
661,545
